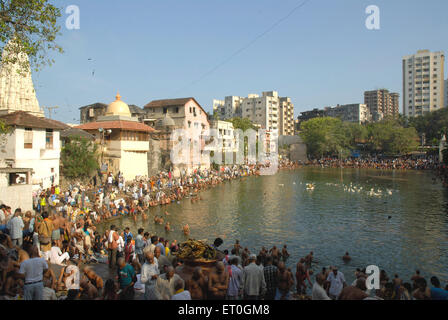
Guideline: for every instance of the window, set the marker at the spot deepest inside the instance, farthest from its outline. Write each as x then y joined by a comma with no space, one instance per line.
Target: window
189,123
28,138
49,139
176,110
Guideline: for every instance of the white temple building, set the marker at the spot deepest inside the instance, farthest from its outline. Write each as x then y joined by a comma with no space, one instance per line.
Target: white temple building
16,86
30,153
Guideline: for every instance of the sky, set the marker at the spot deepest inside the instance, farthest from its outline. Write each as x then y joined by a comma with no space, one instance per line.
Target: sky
319,52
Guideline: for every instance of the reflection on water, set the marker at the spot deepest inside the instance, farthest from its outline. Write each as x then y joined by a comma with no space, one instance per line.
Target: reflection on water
333,218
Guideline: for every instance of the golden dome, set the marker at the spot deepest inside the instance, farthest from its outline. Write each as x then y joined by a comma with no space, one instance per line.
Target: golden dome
118,108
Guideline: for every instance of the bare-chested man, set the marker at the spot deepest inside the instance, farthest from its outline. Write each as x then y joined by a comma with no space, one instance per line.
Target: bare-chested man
285,282
88,290
309,259
285,253
186,230
275,253
237,247
218,282
197,285
94,279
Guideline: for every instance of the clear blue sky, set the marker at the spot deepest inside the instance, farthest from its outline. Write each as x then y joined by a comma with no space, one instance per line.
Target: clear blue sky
321,55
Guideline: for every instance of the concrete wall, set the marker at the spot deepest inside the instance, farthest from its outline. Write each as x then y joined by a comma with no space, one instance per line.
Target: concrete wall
17,196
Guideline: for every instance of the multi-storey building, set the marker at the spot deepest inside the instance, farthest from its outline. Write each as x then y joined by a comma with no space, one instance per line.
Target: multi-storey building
356,112
307,115
423,82
382,103
446,93
268,111
286,117
228,108
124,141
186,114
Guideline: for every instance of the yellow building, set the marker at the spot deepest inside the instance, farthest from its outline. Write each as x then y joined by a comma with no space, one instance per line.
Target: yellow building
124,142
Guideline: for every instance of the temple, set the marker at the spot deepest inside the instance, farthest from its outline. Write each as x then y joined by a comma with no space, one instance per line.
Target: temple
16,85
124,141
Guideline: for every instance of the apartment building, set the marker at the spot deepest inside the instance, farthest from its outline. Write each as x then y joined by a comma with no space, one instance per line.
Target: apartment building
228,108
356,112
423,82
446,93
382,103
268,111
286,117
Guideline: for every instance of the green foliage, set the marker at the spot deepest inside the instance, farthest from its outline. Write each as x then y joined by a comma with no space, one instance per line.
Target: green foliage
79,158
391,138
433,124
4,128
242,123
326,136
33,26
331,136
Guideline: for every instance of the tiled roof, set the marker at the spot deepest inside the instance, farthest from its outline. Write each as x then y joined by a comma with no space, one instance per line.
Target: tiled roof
24,119
116,124
136,109
75,132
169,102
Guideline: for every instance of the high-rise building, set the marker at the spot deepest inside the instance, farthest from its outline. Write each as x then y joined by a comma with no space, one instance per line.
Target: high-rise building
382,103
286,117
446,93
423,82
228,108
268,111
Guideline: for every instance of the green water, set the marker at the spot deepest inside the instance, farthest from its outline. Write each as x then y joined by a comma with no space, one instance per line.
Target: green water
277,210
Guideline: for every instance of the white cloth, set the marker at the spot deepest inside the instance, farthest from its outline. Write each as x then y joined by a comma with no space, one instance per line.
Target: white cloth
33,269
319,293
336,283
149,270
2,217
48,294
120,242
57,257
139,286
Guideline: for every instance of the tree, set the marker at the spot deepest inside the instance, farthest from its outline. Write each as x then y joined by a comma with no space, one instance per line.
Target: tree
390,138
242,123
4,128
432,124
79,158
327,136
31,24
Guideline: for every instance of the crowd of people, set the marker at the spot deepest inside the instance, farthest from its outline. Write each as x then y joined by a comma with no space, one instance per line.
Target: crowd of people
149,269
54,251
398,163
